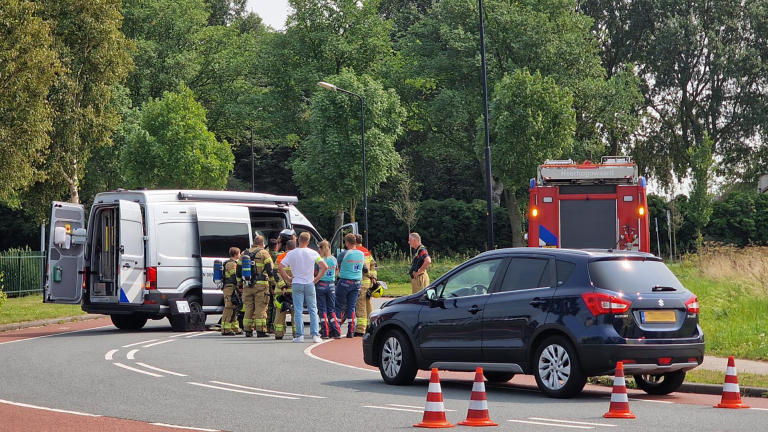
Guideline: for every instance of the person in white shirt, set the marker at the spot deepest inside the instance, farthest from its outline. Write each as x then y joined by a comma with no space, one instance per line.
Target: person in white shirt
302,263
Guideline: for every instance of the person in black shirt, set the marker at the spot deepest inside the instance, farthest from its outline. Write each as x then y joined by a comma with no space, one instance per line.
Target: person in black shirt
421,260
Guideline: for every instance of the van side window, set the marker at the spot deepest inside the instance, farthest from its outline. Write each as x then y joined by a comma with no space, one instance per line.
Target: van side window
217,237
564,271
526,273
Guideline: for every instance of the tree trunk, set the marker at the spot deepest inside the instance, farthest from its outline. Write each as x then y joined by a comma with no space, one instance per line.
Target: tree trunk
338,220
497,187
515,218
352,207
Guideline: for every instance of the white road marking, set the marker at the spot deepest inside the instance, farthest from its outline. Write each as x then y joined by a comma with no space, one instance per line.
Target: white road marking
54,334
415,407
137,370
160,370
48,409
512,388
651,400
574,422
196,334
242,391
139,343
131,353
108,356
760,409
308,351
551,424
158,343
393,409
184,427
177,335
268,391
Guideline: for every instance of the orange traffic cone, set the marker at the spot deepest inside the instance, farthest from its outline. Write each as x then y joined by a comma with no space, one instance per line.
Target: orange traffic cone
434,412
731,394
477,415
619,401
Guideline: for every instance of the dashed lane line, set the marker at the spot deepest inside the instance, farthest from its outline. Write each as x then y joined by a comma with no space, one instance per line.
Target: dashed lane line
760,409
416,407
268,391
392,408
177,335
158,343
196,335
308,352
551,424
137,370
131,354
48,409
160,370
140,343
108,356
574,422
243,391
184,427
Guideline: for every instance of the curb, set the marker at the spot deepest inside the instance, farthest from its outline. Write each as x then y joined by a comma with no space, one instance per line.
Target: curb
52,321
715,389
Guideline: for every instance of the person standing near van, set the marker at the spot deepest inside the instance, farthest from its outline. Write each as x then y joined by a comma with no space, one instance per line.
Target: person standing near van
326,294
229,325
351,263
256,295
273,252
364,306
420,263
302,262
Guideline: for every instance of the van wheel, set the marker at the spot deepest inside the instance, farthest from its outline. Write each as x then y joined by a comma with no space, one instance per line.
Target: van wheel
195,303
397,362
498,377
660,384
129,322
557,368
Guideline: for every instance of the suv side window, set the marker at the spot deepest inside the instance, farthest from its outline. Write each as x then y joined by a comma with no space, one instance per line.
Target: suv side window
564,271
526,273
473,280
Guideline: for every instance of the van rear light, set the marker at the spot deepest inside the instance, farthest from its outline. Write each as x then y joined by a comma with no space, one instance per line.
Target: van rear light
692,304
599,303
151,278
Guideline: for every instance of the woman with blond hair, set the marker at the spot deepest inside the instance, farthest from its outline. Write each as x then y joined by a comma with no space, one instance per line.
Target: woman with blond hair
326,295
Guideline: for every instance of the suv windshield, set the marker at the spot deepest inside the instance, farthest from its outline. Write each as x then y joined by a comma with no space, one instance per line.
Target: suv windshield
632,275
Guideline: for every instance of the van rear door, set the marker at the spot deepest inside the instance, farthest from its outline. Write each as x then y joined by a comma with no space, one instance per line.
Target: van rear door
131,269
65,258
220,227
337,242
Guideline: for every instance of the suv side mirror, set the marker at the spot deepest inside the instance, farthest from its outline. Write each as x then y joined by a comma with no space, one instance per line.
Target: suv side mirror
431,296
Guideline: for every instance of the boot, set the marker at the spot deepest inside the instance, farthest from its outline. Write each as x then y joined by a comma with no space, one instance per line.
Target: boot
261,334
248,334
229,333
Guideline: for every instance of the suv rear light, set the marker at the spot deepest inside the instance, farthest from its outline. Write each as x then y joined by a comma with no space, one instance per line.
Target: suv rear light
151,278
599,303
692,304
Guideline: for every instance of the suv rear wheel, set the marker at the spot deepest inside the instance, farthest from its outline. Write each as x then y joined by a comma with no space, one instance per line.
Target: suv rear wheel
397,363
129,322
557,368
498,377
660,384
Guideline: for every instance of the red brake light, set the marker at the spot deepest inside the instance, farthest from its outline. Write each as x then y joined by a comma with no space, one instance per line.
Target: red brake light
692,304
599,303
665,360
151,278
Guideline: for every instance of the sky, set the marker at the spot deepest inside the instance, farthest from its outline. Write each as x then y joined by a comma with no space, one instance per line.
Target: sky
273,12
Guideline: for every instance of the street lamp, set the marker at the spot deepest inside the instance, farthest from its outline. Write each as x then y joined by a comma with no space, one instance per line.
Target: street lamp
330,86
488,176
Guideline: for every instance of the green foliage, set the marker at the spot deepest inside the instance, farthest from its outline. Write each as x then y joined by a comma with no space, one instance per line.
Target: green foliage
173,148
28,66
329,162
702,166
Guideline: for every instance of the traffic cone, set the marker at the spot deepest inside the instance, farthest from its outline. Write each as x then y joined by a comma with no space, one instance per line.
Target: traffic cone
477,415
731,394
434,412
619,401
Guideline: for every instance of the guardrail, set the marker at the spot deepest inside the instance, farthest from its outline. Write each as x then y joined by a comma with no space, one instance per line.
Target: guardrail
22,272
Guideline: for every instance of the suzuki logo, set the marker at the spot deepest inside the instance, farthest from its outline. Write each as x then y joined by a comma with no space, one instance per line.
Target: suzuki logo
661,303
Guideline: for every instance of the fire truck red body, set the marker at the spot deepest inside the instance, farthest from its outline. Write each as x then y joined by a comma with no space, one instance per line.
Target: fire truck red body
589,205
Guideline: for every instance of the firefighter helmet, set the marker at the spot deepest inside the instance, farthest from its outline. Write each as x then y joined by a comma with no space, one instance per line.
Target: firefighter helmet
377,289
284,302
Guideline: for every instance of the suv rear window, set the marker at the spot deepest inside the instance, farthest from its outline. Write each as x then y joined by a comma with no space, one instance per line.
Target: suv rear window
632,275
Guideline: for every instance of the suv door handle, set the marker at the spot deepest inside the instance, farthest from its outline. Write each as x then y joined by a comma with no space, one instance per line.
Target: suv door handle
538,302
474,309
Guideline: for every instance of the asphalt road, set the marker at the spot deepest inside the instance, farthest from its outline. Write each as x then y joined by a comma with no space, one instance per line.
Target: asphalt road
204,380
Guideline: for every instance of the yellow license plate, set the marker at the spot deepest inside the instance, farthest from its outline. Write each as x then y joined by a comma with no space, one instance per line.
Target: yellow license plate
666,316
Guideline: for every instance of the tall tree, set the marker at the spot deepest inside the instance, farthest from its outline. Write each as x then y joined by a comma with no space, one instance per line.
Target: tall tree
700,200
329,161
27,69
173,147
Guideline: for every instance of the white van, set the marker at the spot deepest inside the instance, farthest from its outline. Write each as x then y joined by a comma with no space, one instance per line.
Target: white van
141,248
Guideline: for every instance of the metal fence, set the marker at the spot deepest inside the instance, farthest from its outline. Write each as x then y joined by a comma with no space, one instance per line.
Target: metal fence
22,272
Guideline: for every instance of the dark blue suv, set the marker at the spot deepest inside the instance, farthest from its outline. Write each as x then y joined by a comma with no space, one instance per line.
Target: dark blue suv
561,315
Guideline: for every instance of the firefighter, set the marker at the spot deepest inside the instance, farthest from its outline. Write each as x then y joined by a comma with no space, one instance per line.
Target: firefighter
274,246
283,288
256,294
364,305
229,325
421,260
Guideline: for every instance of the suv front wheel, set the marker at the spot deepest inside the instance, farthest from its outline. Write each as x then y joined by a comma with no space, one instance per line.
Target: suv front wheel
397,363
557,368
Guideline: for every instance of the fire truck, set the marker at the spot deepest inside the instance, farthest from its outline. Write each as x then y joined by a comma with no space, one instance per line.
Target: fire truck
589,205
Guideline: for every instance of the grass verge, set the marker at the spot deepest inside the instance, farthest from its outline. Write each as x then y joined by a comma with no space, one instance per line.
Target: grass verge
32,308
698,376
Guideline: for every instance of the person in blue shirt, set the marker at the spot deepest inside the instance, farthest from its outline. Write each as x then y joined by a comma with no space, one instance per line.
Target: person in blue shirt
350,262
326,295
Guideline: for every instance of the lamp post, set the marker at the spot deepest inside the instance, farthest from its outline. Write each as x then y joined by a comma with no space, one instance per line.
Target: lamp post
330,86
488,176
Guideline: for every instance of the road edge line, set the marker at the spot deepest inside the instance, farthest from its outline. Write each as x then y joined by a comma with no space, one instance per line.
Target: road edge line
308,352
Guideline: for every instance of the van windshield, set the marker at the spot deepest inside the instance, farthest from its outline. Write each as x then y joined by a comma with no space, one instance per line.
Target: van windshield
633,276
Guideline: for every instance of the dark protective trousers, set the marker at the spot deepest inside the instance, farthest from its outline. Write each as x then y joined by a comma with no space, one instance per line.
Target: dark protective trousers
346,300
326,309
